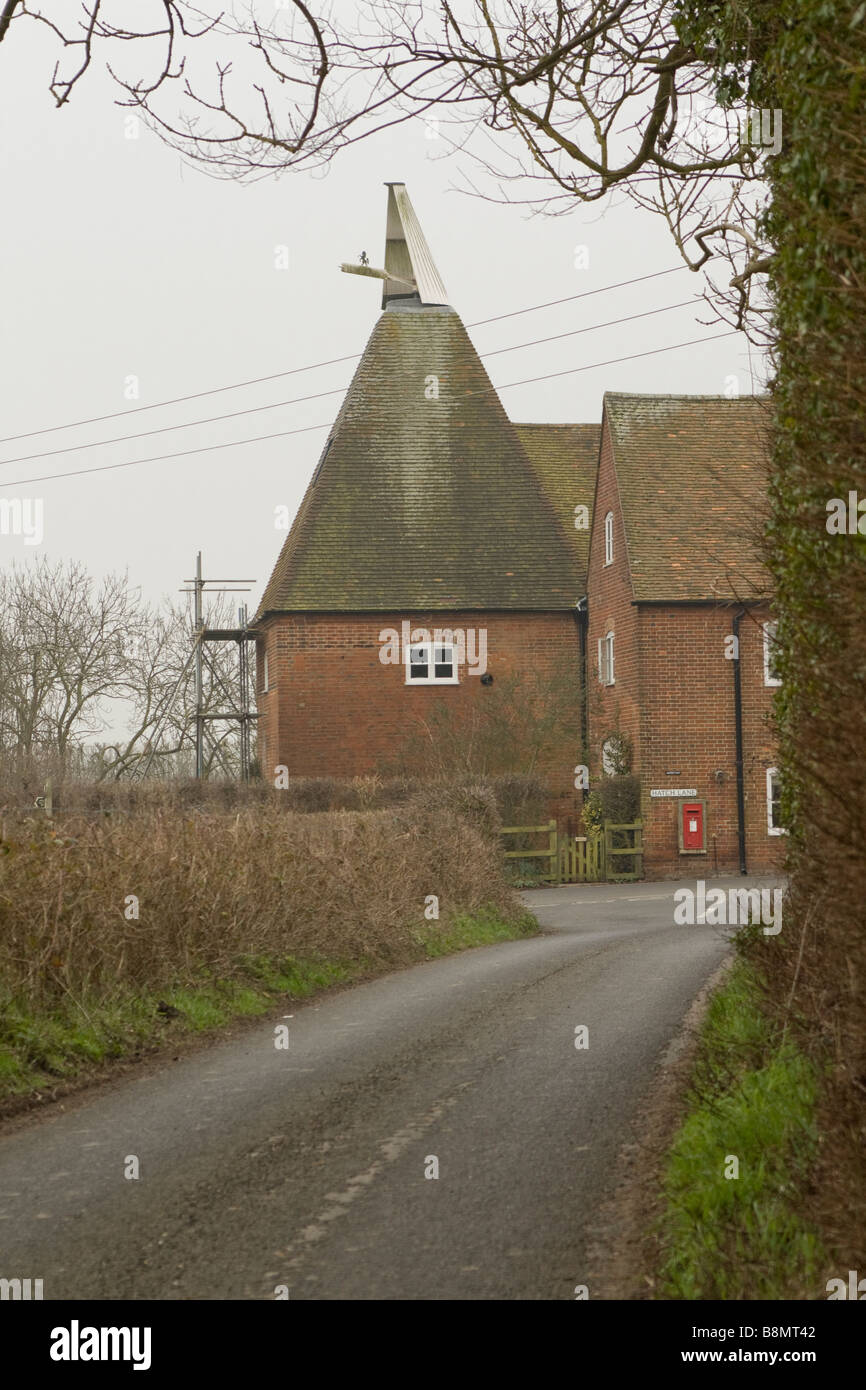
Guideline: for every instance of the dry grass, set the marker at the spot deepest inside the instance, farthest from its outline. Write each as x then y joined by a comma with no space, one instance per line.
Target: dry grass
214,889
119,934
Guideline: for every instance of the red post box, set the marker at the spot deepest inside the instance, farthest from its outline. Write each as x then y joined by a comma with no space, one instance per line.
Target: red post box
692,829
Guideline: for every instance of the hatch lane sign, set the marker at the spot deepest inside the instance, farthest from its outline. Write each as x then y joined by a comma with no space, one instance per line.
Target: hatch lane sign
674,791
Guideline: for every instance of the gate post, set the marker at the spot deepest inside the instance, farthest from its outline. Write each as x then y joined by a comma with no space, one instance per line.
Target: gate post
553,846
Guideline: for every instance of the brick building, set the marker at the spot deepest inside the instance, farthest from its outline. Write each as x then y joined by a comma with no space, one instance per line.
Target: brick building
680,630
448,568
428,512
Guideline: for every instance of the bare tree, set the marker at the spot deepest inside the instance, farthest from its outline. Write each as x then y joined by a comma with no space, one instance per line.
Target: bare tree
558,102
151,56
63,644
77,657
160,735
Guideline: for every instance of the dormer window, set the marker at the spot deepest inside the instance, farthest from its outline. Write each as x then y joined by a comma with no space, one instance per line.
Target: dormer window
608,539
431,663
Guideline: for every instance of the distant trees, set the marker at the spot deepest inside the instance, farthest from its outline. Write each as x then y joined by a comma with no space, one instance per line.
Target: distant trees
63,655
87,669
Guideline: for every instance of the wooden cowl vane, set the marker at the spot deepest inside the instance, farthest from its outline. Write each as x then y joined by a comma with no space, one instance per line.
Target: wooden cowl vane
410,272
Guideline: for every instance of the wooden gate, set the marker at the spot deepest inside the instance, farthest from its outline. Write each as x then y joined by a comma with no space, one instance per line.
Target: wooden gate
615,856
581,859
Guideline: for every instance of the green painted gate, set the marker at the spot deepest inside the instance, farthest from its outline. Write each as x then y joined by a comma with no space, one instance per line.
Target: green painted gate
614,856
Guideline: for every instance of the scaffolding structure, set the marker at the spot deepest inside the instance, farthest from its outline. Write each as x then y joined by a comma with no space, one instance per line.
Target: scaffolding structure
238,700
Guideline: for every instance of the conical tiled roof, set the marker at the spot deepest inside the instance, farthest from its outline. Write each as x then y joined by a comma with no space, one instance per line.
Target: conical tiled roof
424,497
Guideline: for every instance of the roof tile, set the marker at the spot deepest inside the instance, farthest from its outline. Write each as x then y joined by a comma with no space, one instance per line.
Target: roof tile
692,508
425,500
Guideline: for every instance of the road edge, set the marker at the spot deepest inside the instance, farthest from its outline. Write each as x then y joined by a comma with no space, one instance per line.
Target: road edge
623,1250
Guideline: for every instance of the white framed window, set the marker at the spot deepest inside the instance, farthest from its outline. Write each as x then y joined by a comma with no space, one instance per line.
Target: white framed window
608,539
431,663
605,659
265,684
774,823
771,670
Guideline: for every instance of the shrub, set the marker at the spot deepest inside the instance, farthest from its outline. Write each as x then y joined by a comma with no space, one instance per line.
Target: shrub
619,798
214,888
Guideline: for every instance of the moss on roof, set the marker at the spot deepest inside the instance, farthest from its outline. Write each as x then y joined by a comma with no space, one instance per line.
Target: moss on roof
565,459
424,497
692,478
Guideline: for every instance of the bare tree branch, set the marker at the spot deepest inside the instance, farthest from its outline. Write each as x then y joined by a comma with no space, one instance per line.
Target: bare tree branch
558,103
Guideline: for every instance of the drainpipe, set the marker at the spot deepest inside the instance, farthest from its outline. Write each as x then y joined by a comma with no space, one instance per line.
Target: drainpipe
738,737
581,615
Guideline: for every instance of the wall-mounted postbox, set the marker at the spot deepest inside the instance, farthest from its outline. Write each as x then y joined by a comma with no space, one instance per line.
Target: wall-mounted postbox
692,827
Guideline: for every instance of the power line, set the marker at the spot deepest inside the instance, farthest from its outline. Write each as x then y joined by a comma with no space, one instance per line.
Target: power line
586,295
179,400
575,332
304,429
319,395
613,361
314,366
166,429
161,458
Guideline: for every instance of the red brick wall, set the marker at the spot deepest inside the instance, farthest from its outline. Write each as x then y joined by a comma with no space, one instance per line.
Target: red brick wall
613,708
333,708
674,697
688,730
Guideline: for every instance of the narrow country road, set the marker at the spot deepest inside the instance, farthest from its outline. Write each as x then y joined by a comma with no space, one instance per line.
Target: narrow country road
306,1167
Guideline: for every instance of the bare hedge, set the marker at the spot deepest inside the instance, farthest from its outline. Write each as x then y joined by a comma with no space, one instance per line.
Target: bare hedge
214,887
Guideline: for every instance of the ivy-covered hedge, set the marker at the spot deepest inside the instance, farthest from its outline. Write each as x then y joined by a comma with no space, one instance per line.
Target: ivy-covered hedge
807,59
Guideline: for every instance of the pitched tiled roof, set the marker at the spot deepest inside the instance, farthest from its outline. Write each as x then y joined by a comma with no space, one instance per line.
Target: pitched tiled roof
565,458
421,502
692,477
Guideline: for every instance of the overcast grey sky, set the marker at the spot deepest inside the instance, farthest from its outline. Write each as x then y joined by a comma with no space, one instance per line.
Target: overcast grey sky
121,262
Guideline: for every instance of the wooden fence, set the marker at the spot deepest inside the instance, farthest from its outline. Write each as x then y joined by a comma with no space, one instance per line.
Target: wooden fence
624,859
615,856
551,853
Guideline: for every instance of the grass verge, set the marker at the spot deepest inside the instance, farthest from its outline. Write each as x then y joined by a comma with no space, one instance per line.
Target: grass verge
41,1052
752,1112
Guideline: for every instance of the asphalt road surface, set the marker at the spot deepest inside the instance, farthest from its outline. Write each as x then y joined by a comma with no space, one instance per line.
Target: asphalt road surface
306,1168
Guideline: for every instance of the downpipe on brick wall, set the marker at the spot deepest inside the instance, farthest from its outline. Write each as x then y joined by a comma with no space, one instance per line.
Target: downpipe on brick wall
581,617
738,737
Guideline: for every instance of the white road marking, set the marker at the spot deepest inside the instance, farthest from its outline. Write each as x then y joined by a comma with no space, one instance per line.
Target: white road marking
390,1150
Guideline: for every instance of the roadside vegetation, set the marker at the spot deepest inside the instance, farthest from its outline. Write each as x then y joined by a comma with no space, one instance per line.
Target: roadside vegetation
804,60
738,1184
120,932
